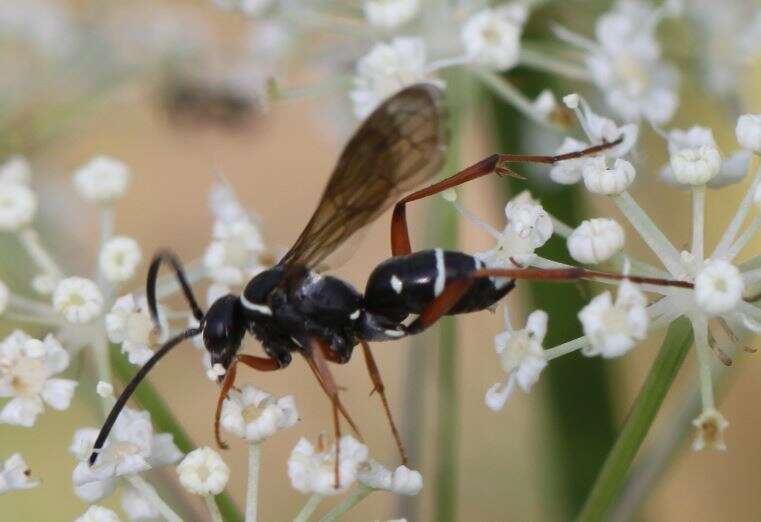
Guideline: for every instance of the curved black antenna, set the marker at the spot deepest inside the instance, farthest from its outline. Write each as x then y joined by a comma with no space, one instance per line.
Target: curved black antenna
129,390
150,290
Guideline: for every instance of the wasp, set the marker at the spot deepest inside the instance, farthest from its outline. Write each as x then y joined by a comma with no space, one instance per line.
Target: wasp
294,308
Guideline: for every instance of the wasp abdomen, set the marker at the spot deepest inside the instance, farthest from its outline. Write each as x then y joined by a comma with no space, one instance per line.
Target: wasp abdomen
404,285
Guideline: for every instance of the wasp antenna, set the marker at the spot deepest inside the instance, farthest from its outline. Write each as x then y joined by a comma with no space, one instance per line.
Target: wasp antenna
150,290
132,385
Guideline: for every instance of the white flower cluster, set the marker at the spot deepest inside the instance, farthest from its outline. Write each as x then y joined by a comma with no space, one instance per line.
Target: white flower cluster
234,255
27,377
625,62
131,448
129,324
312,469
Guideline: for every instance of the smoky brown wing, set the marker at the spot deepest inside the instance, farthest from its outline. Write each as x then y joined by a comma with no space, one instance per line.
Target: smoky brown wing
401,144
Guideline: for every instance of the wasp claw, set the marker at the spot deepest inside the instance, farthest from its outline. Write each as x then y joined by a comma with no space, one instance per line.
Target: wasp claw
506,172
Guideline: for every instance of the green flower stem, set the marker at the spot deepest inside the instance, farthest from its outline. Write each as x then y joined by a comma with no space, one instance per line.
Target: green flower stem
252,493
448,411
163,421
613,475
211,505
309,508
354,499
578,402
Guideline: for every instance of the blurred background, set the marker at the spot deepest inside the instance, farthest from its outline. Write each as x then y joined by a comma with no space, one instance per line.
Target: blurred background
169,93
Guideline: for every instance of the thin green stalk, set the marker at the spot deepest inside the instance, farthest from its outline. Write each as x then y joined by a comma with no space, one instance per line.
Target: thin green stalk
211,505
448,411
163,421
252,493
309,508
613,475
578,401
342,508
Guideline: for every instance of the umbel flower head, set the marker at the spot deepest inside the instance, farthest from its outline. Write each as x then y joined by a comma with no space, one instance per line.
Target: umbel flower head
27,377
131,448
312,469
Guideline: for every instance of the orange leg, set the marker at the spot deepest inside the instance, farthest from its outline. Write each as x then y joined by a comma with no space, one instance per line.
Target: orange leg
264,364
326,376
375,376
573,274
227,383
341,407
453,292
400,237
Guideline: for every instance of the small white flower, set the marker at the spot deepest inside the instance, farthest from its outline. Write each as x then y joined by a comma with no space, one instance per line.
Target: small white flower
572,101
522,357
131,447
599,179
15,474
45,284
214,372
78,300
104,389
103,179
233,255
119,258
718,287
596,240
733,169
600,129
748,132
390,14
528,220
692,138
402,481
696,166
136,506
545,104
15,170
27,367
203,472
18,205
615,328
386,69
5,296
98,514
405,481
492,37
256,414
224,203
570,171
313,471
528,227
129,324
710,431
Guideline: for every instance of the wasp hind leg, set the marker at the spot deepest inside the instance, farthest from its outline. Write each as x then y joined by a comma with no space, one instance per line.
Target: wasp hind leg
400,237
